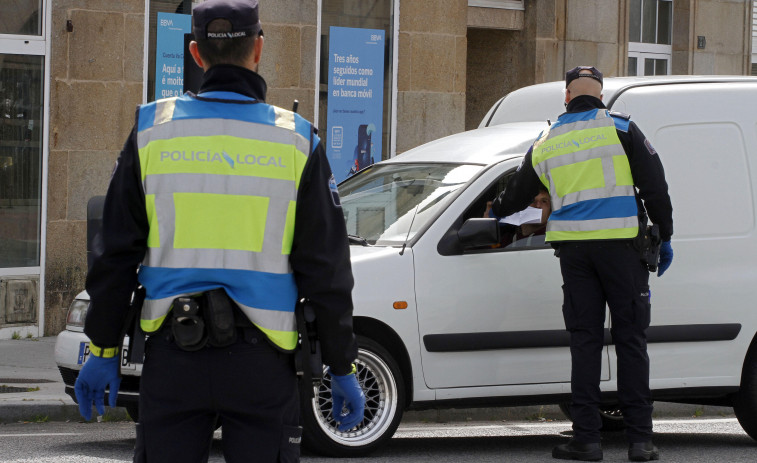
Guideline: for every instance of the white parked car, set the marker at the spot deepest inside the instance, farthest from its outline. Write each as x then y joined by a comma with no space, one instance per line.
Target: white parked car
446,320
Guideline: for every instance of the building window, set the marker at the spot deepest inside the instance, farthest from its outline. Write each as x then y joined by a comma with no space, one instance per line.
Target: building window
171,19
650,33
355,83
22,79
21,18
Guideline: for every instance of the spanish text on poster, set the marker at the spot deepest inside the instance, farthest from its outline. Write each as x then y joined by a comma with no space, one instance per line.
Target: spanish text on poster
355,99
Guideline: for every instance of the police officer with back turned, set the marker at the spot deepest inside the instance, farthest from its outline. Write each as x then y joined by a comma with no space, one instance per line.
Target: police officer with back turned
602,174
224,209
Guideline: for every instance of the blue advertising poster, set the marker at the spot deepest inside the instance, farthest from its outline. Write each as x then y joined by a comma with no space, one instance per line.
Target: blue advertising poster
169,54
355,99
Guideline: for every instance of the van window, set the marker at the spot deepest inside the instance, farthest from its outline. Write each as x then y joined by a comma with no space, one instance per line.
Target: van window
387,204
512,238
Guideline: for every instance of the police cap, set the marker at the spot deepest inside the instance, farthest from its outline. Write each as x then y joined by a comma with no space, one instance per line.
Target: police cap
575,73
242,14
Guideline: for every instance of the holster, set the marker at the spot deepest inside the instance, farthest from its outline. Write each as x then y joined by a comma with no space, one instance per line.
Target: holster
307,358
218,311
648,242
187,325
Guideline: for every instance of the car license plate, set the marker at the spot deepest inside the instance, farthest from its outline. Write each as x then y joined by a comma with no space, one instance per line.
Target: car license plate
84,353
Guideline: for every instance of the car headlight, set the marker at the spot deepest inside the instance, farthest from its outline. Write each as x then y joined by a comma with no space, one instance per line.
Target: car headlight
77,313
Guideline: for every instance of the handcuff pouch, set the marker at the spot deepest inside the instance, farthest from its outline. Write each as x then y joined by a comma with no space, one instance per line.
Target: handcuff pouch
187,326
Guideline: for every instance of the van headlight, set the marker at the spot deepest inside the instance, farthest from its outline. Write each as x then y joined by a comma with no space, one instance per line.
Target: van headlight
77,313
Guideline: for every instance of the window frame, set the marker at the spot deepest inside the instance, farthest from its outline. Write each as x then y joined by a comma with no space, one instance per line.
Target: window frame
498,184
394,33
502,4
22,45
642,54
643,50
45,19
36,45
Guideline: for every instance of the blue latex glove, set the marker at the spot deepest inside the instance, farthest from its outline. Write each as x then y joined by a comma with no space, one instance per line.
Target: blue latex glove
346,393
666,257
95,375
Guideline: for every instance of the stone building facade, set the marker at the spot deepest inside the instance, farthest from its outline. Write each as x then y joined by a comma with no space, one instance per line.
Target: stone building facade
448,61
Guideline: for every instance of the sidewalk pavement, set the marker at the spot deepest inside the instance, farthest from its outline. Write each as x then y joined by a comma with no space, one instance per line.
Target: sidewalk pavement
31,389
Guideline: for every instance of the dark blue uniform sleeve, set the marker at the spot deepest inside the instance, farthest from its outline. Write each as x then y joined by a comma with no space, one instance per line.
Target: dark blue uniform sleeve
649,178
520,190
118,249
320,259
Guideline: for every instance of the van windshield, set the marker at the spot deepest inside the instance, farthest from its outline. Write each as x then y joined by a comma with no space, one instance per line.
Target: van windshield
387,204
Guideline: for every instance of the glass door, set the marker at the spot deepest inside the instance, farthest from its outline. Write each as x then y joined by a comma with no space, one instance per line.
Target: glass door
21,107
22,83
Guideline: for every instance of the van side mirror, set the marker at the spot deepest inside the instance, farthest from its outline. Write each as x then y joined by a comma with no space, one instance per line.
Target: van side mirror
479,232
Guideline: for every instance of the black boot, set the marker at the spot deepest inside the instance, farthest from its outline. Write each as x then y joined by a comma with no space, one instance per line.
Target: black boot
578,451
643,451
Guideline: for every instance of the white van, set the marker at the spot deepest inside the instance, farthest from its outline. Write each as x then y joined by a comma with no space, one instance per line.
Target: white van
445,320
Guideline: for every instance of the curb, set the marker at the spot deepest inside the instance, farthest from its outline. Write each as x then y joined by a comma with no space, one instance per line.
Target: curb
53,410
662,410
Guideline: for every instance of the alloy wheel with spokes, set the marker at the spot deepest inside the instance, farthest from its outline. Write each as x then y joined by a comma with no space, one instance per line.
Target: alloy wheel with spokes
379,376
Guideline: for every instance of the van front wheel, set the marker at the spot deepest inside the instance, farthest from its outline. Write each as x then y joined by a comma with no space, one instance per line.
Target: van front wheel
381,380
745,401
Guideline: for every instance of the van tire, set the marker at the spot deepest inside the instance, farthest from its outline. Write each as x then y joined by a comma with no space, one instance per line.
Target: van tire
745,401
612,417
381,379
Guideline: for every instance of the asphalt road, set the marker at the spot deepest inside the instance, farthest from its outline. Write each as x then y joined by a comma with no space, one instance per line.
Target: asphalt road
689,440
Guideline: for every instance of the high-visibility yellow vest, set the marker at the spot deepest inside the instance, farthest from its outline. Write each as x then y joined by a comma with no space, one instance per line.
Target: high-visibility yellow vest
220,182
581,161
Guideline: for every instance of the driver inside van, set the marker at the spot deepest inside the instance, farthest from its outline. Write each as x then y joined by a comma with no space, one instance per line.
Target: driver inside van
523,234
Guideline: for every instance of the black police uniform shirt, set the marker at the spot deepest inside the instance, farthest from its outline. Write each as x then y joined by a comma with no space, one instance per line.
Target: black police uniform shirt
646,169
320,255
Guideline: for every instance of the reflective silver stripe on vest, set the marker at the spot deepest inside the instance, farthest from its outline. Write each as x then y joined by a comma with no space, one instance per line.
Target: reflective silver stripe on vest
268,319
606,155
271,260
284,118
591,225
602,152
223,184
164,110
212,127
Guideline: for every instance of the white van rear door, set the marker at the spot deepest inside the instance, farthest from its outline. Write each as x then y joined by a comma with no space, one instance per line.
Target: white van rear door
706,137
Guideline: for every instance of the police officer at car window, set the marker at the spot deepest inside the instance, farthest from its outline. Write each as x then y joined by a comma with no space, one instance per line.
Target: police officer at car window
602,174
224,208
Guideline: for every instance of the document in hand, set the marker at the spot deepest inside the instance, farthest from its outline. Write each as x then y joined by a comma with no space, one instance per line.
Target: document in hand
527,215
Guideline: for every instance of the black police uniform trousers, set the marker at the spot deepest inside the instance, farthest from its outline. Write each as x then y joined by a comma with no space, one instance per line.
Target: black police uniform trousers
596,273
250,386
